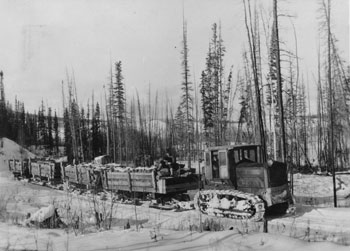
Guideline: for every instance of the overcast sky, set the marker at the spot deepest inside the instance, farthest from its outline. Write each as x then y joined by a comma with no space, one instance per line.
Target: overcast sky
41,39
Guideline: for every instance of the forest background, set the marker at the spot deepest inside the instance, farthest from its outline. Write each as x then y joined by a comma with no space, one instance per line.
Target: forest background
210,96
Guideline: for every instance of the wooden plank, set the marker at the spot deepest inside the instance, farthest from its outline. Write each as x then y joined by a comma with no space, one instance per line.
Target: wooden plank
118,180
181,187
116,187
29,167
154,182
137,182
71,174
11,164
46,170
83,175
105,179
161,188
18,166
35,169
141,180
114,178
63,177
130,179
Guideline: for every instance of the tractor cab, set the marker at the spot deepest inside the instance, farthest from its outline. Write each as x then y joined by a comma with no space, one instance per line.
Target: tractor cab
221,161
241,167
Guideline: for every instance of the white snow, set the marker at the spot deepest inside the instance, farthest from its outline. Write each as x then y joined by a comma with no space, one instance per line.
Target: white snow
42,214
321,185
317,190
331,213
311,228
165,240
11,150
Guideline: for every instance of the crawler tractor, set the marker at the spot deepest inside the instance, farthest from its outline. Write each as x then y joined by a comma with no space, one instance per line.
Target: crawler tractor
238,184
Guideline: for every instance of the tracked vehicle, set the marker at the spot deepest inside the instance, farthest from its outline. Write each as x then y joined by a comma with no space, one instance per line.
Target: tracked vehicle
238,184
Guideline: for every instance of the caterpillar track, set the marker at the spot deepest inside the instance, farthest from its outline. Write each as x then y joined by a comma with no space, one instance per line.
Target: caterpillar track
230,204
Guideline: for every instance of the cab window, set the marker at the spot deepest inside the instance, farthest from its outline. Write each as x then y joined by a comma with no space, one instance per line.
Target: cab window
215,165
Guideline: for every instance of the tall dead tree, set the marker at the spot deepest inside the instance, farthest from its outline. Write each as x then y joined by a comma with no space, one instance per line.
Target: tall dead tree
331,89
73,118
327,9
253,57
279,83
3,117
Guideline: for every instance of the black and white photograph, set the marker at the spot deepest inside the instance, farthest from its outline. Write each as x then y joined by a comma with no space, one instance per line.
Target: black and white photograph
174,125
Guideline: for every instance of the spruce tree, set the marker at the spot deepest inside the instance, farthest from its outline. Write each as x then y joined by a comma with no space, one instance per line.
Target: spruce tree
118,101
42,132
49,130
56,132
187,96
96,133
214,93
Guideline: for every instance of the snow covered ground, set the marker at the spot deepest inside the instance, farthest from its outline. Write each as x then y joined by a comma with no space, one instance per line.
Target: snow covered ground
320,185
318,189
11,150
311,228
166,240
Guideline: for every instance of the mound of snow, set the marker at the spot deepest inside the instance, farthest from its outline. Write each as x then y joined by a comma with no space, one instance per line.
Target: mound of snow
340,214
11,150
42,214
